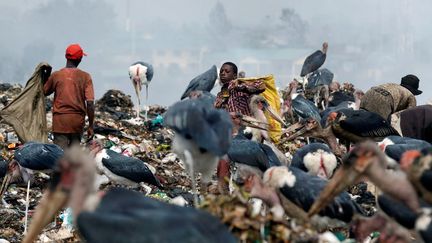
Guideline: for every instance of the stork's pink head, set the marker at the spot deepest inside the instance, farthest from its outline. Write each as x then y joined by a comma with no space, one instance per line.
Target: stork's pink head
14,170
408,158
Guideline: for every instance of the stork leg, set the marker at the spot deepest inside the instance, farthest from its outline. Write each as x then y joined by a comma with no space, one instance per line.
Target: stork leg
4,203
138,91
27,206
190,162
146,110
326,96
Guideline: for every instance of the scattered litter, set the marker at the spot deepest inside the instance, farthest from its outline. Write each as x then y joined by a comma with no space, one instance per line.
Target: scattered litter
179,201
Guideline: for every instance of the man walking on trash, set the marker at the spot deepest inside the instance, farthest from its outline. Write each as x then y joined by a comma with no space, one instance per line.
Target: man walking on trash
73,99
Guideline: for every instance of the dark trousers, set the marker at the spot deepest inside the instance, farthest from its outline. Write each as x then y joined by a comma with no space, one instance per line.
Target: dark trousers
65,140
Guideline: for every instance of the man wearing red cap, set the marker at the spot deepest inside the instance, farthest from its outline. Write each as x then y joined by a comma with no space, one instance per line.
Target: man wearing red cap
73,99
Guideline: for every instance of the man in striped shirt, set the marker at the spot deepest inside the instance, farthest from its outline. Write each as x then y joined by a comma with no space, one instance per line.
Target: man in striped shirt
233,97
235,94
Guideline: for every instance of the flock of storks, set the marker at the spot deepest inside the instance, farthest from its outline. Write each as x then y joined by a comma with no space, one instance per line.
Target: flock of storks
345,146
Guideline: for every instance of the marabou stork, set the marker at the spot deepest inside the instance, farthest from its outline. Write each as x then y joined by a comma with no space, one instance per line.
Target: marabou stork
202,136
119,215
394,147
122,169
301,189
418,166
316,158
349,125
314,61
259,106
318,83
32,156
140,73
253,155
298,104
367,160
203,82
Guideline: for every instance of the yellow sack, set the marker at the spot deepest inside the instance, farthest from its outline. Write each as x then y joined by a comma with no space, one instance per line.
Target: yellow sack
272,97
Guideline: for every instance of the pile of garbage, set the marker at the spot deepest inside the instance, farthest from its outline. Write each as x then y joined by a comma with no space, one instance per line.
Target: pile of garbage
118,129
250,225
116,103
8,92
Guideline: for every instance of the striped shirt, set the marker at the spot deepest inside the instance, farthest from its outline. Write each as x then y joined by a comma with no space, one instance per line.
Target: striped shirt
237,96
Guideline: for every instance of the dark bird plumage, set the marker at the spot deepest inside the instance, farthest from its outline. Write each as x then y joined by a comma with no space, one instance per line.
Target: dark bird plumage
406,217
128,216
305,108
315,158
206,97
418,167
338,97
357,125
366,160
208,127
320,77
120,215
202,137
203,82
130,168
3,167
252,153
314,61
397,210
38,156
307,188
341,106
349,125
395,146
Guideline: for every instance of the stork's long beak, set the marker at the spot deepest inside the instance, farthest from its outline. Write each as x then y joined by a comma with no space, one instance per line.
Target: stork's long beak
146,92
344,177
274,115
5,184
296,129
253,123
50,204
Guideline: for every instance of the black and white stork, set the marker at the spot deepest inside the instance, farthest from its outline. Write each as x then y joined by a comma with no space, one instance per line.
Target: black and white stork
316,159
122,169
314,61
301,189
140,73
367,160
349,125
119,215
202,136
31,157
202,82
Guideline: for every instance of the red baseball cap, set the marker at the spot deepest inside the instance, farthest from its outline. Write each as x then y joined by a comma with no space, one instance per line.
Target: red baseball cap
74,52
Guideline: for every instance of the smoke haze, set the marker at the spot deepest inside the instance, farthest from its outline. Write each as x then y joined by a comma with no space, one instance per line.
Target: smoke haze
370,42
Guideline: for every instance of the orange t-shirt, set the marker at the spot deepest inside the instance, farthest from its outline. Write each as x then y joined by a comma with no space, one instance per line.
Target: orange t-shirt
72,87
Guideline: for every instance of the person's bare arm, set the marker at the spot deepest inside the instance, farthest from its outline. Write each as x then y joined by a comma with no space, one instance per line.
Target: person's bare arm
90,114
252,87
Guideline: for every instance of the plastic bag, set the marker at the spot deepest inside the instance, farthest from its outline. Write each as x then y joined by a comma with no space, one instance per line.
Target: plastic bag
272,97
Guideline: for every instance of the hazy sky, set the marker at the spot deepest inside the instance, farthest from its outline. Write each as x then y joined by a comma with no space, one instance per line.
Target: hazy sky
370,42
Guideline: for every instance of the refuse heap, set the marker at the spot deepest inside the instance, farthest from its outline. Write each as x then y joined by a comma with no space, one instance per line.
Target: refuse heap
117,127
